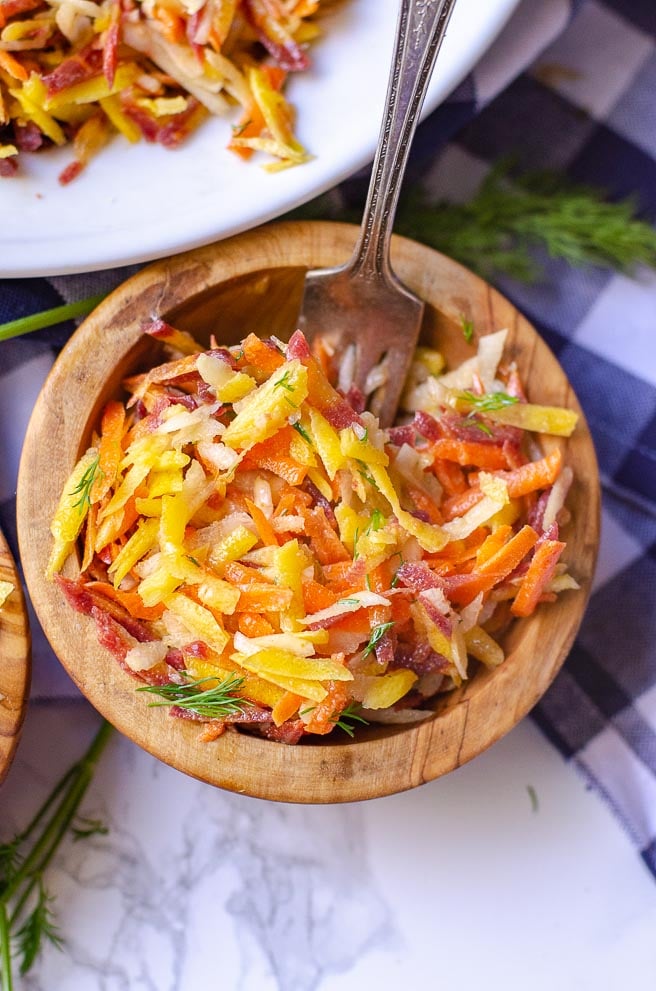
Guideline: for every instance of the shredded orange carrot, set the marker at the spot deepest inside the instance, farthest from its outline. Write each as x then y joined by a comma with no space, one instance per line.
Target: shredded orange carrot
251,624
510,554
111,451
252,123
131,601
489,457
327,546
492,544
424,503
285,505
322,355
172,24
401,610
265,598
539,574
115,527
90,532
324,715
337,576
462,502
265,357
273,455
286,707
316,596
534,475
264,528
450,476
13,66
353,622
242,577
495,568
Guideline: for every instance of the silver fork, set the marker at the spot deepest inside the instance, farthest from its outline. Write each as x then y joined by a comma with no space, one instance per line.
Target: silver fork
362,306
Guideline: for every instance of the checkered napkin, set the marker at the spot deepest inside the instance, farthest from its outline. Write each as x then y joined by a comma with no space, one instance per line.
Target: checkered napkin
571,86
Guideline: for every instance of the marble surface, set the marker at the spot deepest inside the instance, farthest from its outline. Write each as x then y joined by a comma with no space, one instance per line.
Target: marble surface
464,883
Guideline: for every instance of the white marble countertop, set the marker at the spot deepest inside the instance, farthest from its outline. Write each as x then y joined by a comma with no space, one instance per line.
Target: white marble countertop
467,882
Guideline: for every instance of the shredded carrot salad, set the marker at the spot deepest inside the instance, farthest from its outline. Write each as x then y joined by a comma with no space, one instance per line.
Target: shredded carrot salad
261,554
78,71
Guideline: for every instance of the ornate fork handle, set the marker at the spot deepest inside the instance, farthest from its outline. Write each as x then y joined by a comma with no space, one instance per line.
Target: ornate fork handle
421,28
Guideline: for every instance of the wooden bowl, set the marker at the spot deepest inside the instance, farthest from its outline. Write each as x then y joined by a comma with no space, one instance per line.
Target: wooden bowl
14,661
253,282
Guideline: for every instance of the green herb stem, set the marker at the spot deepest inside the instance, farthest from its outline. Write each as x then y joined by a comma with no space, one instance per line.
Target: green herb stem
213,703
533,797
303,432
55,829
6,981
341,719
22,901
52,837
377,635
49,318
48,802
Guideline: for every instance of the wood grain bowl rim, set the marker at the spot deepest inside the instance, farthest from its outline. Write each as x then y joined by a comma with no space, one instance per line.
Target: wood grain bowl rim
15,661
384,760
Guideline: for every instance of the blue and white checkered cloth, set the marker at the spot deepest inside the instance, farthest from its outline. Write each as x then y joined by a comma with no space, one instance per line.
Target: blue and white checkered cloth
571,86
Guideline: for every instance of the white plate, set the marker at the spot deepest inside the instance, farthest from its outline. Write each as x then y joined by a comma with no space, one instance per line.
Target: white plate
143,202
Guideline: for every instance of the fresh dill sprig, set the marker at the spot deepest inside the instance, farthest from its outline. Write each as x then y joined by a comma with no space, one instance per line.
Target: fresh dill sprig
39,927
511,214
238,129
88,827
376,522
366,475
488,402
348,715
377,635
303,432
10,860
533,798
395,579
84,486
26,913
213,703
283,383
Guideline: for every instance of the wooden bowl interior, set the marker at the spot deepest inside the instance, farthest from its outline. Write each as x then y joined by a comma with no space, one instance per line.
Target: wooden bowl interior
14,661
254,284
